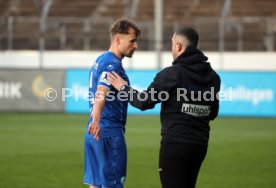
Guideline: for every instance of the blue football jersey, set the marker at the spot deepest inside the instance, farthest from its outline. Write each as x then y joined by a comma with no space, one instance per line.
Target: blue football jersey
113,116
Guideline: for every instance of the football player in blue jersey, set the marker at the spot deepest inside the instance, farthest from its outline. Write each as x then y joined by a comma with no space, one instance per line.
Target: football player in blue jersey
104,146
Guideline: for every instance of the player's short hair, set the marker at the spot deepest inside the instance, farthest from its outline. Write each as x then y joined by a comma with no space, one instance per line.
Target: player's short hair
122,26
189,33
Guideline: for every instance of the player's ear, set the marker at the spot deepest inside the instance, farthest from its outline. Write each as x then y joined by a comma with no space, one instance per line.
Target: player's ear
117,39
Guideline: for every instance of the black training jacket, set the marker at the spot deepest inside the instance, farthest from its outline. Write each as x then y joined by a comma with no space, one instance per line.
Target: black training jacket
191,101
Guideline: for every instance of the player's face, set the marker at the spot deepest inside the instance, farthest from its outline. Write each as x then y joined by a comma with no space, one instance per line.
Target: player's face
128,43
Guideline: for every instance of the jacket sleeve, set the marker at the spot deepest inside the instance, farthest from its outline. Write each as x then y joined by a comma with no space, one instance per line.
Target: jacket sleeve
142,100
163,82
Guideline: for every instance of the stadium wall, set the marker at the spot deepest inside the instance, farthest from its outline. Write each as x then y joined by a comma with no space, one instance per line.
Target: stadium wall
227,61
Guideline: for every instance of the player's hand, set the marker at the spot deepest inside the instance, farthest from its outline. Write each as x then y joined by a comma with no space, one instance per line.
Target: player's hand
94,128
116,80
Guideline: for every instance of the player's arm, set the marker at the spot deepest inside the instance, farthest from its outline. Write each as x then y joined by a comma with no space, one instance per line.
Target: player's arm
100,98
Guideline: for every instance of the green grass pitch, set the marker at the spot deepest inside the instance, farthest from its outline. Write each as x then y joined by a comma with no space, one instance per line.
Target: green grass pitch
46,151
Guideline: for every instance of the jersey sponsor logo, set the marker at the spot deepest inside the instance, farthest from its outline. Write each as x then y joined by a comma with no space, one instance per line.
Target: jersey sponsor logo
104,78
196,110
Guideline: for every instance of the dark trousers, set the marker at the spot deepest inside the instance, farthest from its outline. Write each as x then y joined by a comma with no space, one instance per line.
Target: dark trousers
179,164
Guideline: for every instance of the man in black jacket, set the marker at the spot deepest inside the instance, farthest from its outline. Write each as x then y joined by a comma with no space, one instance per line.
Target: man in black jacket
190,88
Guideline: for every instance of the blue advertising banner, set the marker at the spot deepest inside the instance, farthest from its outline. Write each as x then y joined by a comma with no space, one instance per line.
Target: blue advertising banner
248,94
242,93
76,91
140,80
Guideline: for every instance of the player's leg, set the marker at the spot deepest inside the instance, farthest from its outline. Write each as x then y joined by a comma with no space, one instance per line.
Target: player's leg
119,156
112,161
91,169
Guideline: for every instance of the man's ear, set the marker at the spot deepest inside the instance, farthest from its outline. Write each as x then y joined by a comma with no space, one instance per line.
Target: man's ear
179,46
117,39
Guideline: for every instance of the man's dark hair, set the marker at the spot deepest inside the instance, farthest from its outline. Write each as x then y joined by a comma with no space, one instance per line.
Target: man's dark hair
189,33
122,26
